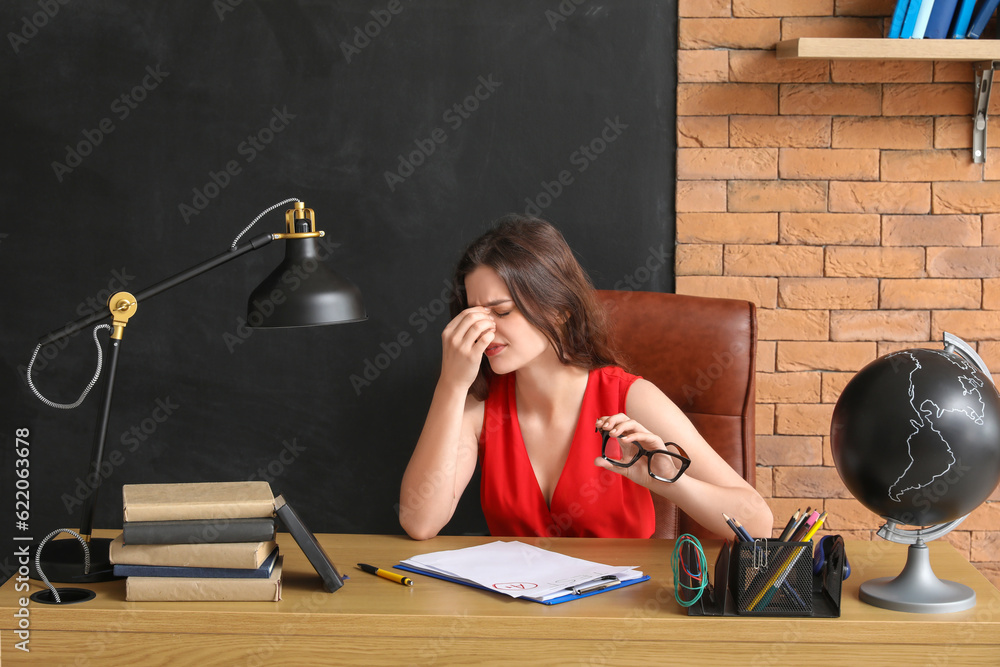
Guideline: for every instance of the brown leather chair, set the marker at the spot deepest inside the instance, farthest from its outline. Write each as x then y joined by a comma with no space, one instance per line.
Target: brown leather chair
701,353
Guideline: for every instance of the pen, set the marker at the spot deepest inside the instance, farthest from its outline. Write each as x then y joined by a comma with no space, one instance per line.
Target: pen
385,574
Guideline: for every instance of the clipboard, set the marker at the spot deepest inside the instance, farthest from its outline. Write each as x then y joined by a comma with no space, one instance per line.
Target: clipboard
569,597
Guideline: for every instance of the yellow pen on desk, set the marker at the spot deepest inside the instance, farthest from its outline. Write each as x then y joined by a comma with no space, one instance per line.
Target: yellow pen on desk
386,574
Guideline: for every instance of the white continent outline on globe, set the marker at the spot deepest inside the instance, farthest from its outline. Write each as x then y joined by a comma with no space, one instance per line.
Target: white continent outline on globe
970,385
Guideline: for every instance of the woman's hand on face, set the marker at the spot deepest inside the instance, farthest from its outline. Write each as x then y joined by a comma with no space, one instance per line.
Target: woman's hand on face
463,341
631,436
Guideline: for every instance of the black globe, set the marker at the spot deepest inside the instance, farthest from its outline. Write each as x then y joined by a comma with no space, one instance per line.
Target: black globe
916,436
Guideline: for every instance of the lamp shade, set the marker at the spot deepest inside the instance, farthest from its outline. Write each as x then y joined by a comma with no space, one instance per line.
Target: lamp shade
303,292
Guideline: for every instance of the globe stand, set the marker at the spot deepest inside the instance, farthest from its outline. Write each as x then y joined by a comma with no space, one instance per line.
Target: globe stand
917,589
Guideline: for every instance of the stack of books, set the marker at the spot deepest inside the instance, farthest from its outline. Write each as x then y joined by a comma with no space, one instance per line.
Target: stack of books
941,19
205,541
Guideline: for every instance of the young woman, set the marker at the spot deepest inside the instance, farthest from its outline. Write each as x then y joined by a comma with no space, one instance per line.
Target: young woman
529,386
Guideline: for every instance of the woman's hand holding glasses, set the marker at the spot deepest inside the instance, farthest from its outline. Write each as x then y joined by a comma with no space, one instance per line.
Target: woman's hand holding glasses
625,442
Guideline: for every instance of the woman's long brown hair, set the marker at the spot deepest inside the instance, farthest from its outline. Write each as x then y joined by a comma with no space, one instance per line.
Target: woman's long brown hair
548,286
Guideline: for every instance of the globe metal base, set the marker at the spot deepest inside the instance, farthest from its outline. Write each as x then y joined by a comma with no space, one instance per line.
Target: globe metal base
917,589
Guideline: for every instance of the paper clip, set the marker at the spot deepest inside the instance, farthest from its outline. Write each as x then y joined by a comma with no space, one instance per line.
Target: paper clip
759,554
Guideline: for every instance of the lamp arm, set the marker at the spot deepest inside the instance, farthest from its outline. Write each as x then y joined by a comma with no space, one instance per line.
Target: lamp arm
163,286
121,314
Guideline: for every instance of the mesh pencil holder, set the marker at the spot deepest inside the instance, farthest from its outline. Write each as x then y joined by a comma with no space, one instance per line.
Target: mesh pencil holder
770,578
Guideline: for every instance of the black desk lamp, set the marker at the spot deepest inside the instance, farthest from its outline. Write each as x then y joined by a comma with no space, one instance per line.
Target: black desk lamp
300,292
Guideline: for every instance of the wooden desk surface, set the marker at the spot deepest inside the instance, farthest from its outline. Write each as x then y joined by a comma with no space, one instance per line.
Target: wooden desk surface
376,622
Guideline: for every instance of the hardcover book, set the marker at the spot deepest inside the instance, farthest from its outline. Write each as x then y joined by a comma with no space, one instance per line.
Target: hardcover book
200,500
262,572
247,555
198,531
193,589
332,581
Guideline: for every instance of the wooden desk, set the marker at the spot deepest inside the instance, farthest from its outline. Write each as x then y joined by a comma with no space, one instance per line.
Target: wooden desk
372,621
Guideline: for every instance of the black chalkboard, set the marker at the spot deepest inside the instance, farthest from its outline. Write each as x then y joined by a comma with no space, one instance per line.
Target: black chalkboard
140,137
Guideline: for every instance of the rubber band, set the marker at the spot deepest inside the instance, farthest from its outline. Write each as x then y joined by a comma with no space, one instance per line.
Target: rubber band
678,564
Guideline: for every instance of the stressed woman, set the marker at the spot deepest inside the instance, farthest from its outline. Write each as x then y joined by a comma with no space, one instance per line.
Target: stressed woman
530,389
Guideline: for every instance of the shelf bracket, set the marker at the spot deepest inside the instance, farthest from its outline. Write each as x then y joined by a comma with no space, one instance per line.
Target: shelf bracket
984,86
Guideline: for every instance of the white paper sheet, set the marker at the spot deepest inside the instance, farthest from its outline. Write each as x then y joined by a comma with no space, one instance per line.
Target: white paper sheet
520,570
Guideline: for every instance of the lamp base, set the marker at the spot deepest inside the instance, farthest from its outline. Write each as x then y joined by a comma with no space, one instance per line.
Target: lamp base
63,562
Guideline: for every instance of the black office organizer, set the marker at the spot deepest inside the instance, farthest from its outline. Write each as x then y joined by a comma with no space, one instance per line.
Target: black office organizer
769,578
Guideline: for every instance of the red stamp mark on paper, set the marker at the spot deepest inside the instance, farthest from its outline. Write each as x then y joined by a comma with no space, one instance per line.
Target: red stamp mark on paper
515,586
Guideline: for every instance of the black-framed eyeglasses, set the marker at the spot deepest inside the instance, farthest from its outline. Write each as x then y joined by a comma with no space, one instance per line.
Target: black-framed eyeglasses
672,454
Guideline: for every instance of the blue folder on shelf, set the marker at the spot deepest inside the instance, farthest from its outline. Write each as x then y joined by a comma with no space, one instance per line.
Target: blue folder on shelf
924,15
586,590
940,19
896,26
982,16
910,20
963,17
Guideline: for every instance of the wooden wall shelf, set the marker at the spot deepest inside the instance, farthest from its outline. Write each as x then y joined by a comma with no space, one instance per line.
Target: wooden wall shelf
843,48
985,53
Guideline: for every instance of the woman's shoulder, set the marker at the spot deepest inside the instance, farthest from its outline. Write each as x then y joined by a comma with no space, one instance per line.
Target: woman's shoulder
615,374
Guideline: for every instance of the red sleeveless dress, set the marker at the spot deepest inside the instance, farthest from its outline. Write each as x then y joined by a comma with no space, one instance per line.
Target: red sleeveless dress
587,501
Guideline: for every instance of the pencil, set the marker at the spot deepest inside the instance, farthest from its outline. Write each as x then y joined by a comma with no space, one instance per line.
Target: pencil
790,525
802,519
815,527
743,531
804,527
732,525
786,567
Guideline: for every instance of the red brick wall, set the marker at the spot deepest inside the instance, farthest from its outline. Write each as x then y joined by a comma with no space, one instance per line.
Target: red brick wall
840,197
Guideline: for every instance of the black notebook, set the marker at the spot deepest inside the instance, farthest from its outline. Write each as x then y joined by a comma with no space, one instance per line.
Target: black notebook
332,580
